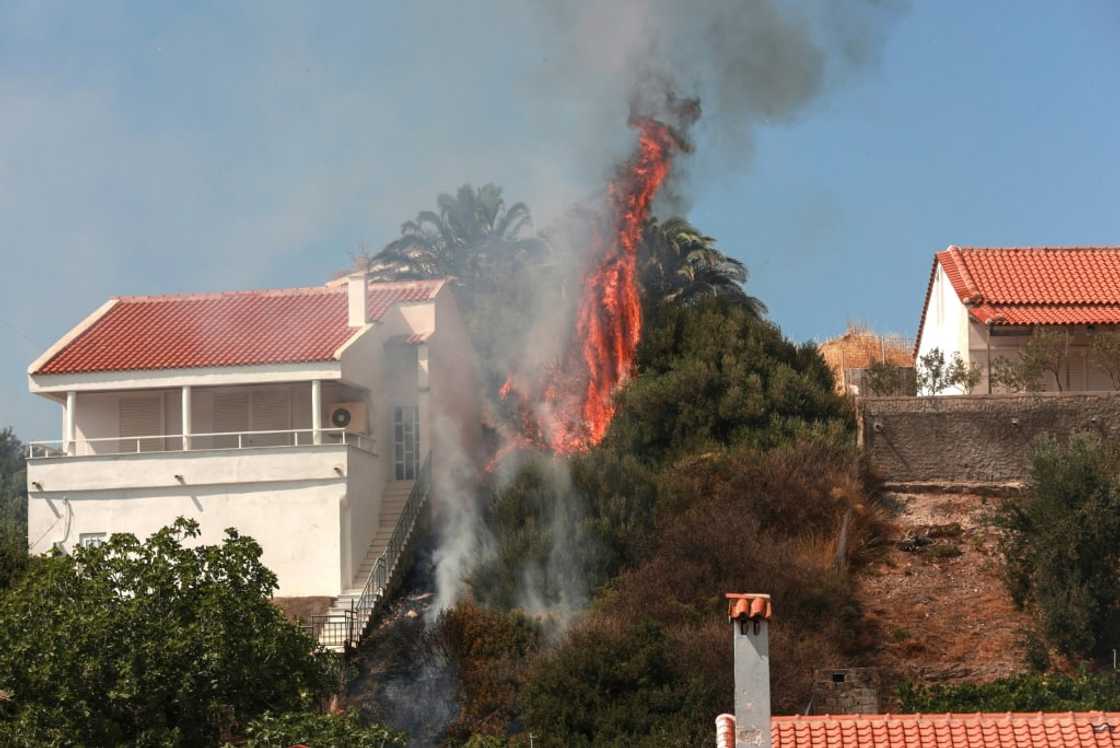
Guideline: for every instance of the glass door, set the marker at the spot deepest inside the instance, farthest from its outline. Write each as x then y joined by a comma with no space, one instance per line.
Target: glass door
406,442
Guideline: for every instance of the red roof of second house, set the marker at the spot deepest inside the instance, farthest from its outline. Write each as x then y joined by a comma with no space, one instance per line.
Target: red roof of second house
239,328
1033,285
1000,730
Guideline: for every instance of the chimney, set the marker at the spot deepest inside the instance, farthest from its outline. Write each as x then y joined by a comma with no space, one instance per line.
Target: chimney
749,616
356,299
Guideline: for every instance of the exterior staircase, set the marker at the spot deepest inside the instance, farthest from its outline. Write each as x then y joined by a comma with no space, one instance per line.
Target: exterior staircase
345,623
392,504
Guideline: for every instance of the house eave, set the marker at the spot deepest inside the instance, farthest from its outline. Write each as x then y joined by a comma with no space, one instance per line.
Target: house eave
217,376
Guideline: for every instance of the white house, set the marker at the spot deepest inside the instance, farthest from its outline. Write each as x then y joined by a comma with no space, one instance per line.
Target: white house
300,416
983,303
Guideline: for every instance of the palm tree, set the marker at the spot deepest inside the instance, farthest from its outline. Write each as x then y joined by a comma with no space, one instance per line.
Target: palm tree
680,264
472,236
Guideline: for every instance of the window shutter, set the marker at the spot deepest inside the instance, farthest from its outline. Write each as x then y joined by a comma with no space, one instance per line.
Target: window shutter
141,416
271,413
270,410
231,412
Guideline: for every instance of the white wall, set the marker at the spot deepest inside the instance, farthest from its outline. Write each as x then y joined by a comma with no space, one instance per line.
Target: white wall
362,515
946,323
291,500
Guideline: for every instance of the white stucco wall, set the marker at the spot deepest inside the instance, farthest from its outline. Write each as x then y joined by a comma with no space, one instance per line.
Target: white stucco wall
362,510
291,500
946,324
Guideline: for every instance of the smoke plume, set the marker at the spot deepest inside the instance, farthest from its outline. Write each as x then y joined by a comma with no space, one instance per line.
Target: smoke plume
696,80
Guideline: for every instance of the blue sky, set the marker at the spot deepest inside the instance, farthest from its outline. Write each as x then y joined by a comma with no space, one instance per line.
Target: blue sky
151,148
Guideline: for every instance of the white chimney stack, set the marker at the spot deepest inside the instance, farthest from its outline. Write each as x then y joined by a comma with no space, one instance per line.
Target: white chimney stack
750,618
356,299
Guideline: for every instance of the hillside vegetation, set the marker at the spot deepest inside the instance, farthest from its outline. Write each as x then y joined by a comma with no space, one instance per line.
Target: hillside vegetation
730,466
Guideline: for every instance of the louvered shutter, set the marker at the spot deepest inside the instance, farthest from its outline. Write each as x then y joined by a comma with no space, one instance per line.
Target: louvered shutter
231,415
271,412
141,417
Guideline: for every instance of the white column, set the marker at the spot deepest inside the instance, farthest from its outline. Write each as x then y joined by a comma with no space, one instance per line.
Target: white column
423,402
68,445
186,407
317,411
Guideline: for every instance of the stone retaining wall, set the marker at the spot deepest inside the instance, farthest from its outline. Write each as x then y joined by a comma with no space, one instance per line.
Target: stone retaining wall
974,438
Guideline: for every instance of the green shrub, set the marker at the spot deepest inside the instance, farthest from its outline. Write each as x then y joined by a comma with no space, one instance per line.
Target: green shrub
13,552
614,684
883,378
734,520
934,375
713,375
1061,548
150,643
1049,692
318,730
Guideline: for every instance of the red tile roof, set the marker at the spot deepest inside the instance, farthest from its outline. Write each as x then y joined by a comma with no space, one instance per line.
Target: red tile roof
1035,730
295,325
1033,285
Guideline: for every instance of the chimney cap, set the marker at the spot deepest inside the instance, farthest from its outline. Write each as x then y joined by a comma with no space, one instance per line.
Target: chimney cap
750,605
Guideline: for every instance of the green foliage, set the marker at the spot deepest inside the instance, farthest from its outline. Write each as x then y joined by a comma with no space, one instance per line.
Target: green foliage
651,661
1034,692
13,508
935,375
712,374
540,527
13,552
1044,355
1060,544
317,730
1105,349
1047,352
1012,376
150,643
678,263
614,684
883,378
472,235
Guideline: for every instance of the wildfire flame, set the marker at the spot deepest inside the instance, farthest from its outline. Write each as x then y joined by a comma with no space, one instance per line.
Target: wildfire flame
569,407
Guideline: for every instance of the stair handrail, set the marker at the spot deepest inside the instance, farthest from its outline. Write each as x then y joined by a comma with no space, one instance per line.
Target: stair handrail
381,574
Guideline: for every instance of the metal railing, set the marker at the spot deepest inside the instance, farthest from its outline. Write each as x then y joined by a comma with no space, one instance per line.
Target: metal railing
331,629
118,445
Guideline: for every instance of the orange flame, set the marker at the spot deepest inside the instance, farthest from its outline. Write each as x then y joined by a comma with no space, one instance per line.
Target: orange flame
570,407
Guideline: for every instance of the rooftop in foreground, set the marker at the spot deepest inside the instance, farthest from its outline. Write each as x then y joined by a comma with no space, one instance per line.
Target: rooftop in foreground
991,730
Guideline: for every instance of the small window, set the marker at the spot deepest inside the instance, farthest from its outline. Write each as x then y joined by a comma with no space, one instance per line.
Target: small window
91,539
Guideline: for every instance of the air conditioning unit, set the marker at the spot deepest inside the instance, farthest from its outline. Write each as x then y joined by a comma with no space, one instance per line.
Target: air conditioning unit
354,417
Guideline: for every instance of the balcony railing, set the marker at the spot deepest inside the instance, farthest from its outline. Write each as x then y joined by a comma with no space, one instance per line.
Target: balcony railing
119,445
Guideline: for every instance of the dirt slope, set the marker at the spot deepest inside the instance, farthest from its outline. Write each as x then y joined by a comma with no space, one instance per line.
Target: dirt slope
937,598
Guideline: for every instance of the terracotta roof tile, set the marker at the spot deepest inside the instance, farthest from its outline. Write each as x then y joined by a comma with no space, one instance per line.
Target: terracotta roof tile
748,605
295,325
1033,285
1034,730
